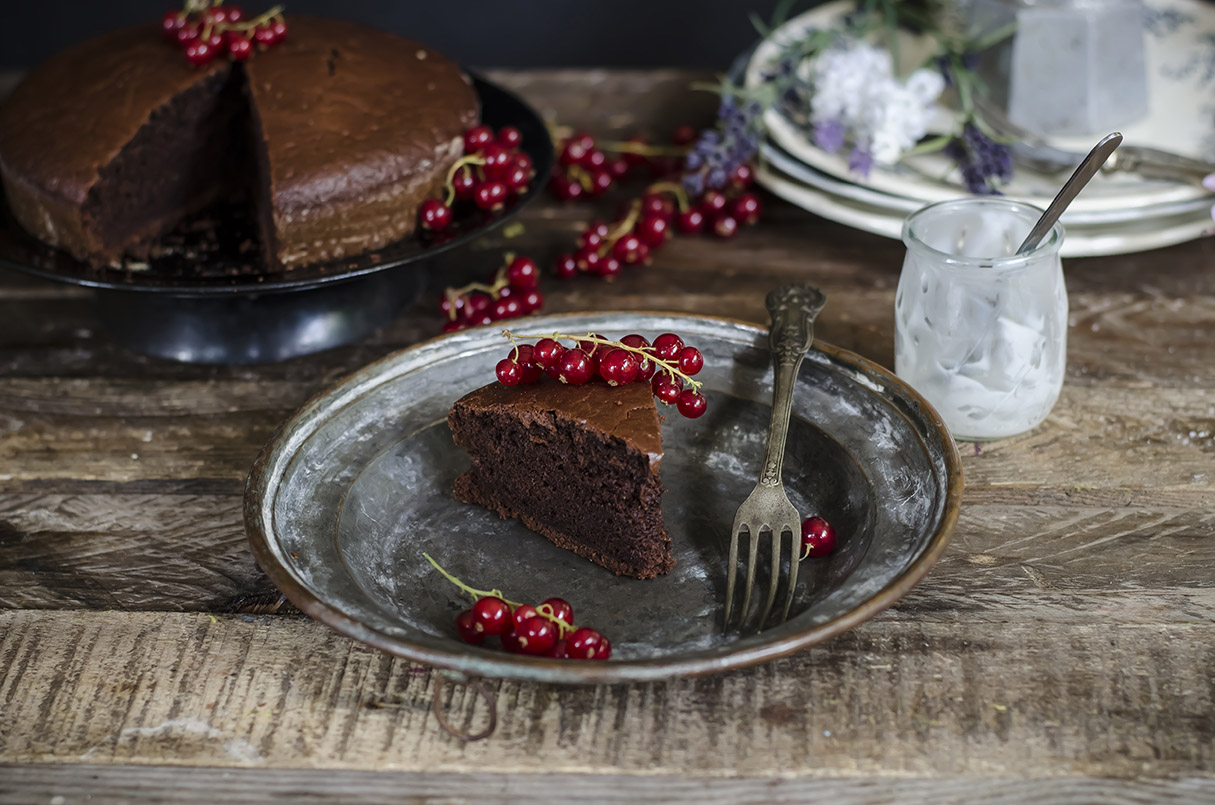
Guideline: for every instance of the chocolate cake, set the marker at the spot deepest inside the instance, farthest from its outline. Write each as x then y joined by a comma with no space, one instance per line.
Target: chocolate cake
577,464
336,135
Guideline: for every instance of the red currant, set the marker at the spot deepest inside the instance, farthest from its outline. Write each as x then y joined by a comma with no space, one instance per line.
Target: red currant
516,178
690,360
601,181
451,325
667,346
547,352
492,616
725,226
557,651
608,267
496,159
618,167
742,176
490,195
559,609
235,13
508,308
171,23
523,273
587,644
818,537
575,367
645,366
631,156
477,138
666,388
627,249
536,634
683,135
566,267
215,15
239,47
278,29
712,202
618,367
747,208
509,373
574,151
657,204
478,305
594,234
464,183
692,403
264,35
509,137
690,222
591,347
564,188
522,613
199,53
466,627
587,259
594,160
187,33
531,301
448,303
510,642
653,230
434,214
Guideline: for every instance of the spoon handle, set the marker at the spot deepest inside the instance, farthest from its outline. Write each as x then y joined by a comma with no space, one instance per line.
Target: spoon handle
1071,188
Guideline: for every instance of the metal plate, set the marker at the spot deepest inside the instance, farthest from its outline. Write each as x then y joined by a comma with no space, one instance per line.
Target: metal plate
217,254
345,499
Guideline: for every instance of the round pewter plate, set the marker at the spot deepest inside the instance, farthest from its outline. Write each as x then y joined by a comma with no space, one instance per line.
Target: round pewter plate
353,489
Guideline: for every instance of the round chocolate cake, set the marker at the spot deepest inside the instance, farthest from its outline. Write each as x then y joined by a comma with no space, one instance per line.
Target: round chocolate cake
335,136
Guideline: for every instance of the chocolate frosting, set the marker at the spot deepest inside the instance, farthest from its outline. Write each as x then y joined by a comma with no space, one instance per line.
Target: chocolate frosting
628,413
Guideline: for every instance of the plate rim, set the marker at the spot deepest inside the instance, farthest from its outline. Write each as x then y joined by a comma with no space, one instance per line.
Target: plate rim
457,661
284,282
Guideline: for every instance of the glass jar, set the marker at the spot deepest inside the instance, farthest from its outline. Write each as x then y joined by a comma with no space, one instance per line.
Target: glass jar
981,333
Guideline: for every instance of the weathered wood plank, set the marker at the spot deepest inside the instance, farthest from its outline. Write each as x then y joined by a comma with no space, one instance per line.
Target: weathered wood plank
99,785
890,698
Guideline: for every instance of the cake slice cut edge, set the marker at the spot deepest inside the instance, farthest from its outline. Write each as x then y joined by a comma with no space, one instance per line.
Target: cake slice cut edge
579,465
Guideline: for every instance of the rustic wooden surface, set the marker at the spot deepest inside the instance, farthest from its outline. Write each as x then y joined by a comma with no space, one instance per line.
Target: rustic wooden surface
1064,648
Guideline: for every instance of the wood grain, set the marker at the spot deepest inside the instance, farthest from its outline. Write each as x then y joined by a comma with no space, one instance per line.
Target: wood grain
894,697
128,785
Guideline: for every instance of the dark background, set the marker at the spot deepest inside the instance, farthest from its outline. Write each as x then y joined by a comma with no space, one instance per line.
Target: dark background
478,33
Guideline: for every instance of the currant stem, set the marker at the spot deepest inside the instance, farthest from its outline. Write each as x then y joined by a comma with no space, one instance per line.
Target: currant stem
670,367
622,228
464,588
675,189
448,187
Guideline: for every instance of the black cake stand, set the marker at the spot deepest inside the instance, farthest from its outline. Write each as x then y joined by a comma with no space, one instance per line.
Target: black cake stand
209,299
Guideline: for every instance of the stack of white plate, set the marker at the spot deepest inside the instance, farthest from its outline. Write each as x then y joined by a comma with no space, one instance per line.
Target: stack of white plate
1116,213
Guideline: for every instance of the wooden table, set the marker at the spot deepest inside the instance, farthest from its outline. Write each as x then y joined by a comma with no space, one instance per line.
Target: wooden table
1064,646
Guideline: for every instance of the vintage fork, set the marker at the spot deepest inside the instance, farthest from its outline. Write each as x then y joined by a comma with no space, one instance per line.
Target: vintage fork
792,309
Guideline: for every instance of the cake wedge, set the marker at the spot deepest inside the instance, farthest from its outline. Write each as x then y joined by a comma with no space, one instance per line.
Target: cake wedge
578,464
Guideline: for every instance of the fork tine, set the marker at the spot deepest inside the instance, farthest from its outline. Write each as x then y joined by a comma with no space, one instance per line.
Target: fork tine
732,574
794,561
777,533
753,530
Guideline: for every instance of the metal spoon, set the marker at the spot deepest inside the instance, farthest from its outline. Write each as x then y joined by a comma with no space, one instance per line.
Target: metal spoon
1071,188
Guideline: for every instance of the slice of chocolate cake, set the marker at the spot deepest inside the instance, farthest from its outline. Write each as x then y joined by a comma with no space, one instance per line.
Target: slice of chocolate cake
578,464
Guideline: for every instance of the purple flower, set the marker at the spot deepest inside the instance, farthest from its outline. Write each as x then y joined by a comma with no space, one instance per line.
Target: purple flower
829,135
981,160
860,161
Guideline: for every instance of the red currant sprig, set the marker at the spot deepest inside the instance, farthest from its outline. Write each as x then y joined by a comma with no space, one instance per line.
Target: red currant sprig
206,29
588,168
491,171
818,537
513,291
667,365
546,630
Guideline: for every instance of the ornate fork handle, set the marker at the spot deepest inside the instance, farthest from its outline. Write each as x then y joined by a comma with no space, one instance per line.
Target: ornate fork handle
792,308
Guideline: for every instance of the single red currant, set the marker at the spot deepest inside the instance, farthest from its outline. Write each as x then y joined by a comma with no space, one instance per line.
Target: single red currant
490,195
526,359
657,204
712,202
215,15
171,23
667,346
434,215
742,176
653,230
536,635
466,627
199,53
531,301
523,273
558,650
575,367
725,226
522,613
683,135
608,267
618,367
464,183
547,352
477,138
278,29
564,188
591,347
264,35
505,309
747,208
666,388
566,267
188,33
559,608
619,168
574,151
496,159
690,360
818,537
594,160
239,47
645,366
587,644
510,642
478,304
492,616
516,178
509,373
690,222
601,181
627,249
509,137
594,234
235,13
587,259
692,403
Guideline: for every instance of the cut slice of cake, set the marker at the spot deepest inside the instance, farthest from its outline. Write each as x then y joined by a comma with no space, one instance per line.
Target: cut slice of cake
578,464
